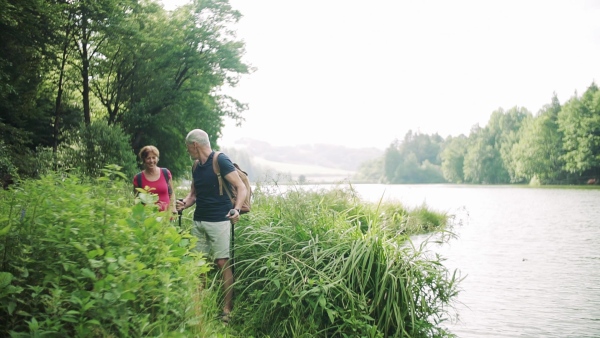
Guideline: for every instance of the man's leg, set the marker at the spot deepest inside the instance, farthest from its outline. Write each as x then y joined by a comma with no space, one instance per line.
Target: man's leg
225,268
203,245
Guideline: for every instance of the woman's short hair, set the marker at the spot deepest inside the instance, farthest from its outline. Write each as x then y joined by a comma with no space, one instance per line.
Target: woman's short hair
147,151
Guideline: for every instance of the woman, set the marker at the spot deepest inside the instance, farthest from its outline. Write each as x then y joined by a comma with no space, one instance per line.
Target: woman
154,179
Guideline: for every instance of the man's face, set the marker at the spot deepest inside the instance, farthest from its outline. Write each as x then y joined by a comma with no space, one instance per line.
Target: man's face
191,148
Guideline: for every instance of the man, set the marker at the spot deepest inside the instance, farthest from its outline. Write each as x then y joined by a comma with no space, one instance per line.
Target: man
214,214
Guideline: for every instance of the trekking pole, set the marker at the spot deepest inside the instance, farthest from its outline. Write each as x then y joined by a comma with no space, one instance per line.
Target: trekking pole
232,245
180,212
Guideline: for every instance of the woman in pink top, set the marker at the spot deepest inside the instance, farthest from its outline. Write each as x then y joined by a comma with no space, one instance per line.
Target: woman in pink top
153,179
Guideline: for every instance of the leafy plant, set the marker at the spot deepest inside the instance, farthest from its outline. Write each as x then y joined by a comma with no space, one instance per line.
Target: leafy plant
92,147
79,258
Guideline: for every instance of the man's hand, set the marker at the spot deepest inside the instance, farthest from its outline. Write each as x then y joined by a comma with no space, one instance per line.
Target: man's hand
233,215
180,205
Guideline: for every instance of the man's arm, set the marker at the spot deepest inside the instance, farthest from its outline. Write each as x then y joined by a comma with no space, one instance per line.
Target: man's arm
189,200
234,179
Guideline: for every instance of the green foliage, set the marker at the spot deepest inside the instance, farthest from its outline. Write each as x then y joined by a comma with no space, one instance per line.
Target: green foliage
579,121
151,72
453,159
414,160
488,158
370,171
325,264
537,155
93,147
77,260
7,168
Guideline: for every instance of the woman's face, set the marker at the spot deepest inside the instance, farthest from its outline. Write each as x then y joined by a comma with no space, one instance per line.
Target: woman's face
151,160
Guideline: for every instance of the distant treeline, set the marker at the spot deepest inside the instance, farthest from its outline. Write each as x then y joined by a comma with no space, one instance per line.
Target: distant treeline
558,145
88,83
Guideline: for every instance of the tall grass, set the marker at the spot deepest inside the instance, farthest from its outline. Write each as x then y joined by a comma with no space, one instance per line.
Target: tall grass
325,264
79,258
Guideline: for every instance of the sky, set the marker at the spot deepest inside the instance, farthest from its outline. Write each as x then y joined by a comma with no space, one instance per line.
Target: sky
363,73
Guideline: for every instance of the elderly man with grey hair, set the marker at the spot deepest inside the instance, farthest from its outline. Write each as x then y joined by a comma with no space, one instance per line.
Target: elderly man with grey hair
215,214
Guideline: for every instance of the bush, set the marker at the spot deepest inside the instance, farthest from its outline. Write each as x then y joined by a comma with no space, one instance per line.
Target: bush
90,148
325,264
78,260
8,171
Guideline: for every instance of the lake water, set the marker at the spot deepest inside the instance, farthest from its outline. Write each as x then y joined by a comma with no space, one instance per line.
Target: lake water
531,257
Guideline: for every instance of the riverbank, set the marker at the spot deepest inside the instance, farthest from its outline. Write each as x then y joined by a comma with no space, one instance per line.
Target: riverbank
318,263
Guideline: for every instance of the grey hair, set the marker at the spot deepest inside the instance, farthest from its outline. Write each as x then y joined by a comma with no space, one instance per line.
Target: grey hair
199,136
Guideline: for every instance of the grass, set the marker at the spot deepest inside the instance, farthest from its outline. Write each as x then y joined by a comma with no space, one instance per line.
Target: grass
80,258
322,263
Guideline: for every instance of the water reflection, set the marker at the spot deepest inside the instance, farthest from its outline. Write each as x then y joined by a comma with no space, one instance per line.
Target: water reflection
531,256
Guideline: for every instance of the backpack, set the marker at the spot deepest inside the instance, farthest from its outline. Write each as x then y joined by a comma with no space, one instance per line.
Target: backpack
232,194
138,177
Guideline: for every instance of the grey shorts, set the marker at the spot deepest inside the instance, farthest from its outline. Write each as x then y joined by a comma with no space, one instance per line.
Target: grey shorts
213,238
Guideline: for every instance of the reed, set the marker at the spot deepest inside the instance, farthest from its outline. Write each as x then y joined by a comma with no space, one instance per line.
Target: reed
323,263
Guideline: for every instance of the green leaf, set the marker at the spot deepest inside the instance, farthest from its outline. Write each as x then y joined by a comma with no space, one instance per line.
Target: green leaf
5,230
128,295
33,325
322,301
88,273
331,315
5,279
69,319
11,307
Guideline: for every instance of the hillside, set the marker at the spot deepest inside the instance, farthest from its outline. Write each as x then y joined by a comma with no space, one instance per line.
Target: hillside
320,155
316,163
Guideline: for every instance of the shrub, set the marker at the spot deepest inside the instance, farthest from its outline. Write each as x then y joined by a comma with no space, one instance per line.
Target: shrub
8,171
78,260
90,148
325,264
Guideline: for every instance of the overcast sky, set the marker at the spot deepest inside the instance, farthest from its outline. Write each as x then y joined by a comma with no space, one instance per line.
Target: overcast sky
362,73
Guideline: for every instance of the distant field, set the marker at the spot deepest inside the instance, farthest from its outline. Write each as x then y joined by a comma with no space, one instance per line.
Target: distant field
311,172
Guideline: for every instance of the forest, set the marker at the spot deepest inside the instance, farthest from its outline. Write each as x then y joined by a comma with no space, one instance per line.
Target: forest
559,145
87,83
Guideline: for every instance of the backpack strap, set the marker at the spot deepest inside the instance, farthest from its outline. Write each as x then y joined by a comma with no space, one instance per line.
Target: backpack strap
217,170
138,178
166,175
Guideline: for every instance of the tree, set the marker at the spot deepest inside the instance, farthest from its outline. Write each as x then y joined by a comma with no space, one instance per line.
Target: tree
579,121
371,171
95,146
538,153
453,159
26,37
391,160
177,89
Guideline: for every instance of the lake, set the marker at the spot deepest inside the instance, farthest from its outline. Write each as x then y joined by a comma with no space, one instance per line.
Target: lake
531,256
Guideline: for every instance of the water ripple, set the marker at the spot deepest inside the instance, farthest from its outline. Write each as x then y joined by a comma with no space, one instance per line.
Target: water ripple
530,256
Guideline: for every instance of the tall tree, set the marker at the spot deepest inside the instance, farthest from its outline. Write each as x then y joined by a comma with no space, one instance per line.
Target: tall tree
488,159
187,57
579,121
453,159
26,37
94,22
539,149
